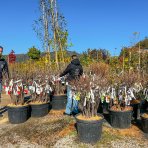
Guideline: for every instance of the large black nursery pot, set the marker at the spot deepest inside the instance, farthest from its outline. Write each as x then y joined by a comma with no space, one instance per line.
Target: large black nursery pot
18,114
89,131
39,110
143,106
144,124
105,107
59,102
136,109
100,108
120,119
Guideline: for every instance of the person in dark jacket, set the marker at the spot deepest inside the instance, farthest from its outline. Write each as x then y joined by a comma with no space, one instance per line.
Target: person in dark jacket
73,71
3,69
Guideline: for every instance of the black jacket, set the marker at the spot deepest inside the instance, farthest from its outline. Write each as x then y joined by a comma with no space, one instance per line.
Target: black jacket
3,68
73,70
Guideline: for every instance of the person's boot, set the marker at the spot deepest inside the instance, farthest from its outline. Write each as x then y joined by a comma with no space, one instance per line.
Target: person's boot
74,113
67,114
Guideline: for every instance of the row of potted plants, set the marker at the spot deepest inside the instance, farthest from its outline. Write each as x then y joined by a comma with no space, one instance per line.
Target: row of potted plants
41,93
90,90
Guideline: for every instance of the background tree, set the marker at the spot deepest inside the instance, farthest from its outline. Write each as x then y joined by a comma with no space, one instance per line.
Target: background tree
98,54
42,28
34,53
143,43
51,29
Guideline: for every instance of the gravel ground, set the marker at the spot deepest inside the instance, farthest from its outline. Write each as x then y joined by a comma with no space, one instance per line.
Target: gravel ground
5,100
129,143
58,131
36,132
111,138
68,142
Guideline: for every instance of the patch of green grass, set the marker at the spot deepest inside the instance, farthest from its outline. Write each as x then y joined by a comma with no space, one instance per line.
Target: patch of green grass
105,140
73,133
69,119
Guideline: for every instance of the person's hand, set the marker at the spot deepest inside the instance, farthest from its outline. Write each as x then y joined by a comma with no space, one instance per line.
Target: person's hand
58,75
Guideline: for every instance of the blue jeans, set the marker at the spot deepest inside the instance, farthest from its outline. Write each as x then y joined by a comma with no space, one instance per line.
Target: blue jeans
72,104
0,87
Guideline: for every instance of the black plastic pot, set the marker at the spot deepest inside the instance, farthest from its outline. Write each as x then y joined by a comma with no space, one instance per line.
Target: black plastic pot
59,102
100,108
18,115
39,110
120,119
89,131
144,123
105,107
143,106
136,110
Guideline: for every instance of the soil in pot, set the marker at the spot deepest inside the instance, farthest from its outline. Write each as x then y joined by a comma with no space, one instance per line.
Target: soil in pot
39,109
119,108
18,114
121,117
89,129
145,115
59,102
144,122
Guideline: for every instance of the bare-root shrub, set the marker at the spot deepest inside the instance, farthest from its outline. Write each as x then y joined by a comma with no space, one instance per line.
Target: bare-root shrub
88,94
99,69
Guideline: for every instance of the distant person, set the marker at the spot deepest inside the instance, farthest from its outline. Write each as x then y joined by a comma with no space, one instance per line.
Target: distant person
73,71
3,69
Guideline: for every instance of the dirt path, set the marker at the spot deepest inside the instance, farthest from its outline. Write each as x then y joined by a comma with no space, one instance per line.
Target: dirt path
36,132
58,131
5,100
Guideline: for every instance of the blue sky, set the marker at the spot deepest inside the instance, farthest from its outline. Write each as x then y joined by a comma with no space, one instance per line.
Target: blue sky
105,24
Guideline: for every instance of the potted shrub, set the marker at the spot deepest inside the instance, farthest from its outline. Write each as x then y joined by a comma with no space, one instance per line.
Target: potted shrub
144,117
120,111
138,102
40,97
59,98
18,110
100,72
89,122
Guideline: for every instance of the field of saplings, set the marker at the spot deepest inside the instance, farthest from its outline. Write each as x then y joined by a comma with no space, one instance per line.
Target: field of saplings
113,108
